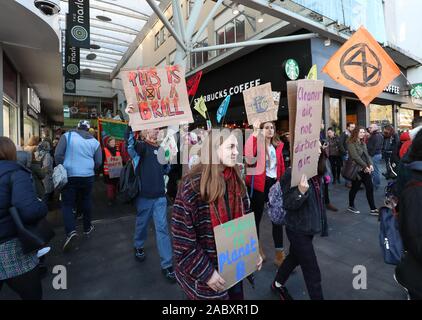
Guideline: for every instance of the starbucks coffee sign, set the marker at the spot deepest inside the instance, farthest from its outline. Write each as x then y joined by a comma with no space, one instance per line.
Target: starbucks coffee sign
292,69
416,92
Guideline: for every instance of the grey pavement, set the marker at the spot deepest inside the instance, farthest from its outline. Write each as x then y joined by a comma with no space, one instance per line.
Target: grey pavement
102,266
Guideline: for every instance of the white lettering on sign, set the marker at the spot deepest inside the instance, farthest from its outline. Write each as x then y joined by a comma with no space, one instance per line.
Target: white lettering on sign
80,11
34,101
238,89
392,89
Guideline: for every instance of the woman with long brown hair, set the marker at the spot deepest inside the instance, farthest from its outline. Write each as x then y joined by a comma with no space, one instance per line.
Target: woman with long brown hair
265,146
359,154
213,193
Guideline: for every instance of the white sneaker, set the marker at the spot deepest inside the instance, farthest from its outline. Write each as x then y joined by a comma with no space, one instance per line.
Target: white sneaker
353,210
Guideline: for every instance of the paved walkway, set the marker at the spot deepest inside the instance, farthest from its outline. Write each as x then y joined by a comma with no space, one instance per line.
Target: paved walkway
103,266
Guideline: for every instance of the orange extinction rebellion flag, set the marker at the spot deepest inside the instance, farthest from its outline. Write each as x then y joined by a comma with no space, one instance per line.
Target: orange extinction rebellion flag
363,66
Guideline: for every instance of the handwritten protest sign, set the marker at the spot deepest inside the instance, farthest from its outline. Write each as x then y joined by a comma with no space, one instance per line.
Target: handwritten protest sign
307,95
115,165
159,96
259,104
108,128
237,249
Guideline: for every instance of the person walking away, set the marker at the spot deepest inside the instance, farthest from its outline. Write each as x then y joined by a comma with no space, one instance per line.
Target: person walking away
42,155
334,155
269,168
343,146
18,270
305,217
375,146
81,155
110,150
409,271
358,152
151,200
210,195
390,152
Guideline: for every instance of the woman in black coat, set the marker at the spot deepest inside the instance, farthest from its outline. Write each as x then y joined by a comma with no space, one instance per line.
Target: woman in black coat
17,269
409,271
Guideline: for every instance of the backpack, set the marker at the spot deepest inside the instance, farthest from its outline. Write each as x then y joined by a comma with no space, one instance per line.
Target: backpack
276,211
129,183
389,237
60,172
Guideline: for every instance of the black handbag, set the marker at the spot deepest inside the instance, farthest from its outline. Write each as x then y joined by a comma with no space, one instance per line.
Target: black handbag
31,236
350,170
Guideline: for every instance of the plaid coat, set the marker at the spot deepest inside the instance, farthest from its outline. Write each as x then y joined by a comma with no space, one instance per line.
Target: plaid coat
195,253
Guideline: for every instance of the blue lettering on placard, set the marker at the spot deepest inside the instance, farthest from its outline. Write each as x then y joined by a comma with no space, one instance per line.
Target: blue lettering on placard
235,255
240,270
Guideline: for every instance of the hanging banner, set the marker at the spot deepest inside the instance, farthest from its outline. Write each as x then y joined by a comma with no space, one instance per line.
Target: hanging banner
306,97
237,249
362,66
193,83
69,85
113,129
259,104
79,26
159,96
72,57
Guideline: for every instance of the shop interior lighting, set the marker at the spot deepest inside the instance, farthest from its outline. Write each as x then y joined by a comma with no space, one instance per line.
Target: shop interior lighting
91,56
95,46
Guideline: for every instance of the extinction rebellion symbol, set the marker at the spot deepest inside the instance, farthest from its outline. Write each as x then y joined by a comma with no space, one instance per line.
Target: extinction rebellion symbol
72,69
369,66
79,33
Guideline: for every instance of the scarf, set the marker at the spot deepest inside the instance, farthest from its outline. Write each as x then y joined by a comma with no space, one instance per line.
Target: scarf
112,150
218,209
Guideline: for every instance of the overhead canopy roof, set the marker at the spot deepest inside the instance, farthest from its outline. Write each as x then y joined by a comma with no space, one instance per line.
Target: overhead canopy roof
114,26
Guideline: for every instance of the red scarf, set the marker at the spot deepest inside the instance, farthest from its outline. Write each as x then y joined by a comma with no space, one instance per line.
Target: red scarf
218,209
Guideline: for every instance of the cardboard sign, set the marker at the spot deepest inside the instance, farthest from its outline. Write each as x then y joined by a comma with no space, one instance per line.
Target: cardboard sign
363,66
115,165
237,249
159,96
259,104
305,104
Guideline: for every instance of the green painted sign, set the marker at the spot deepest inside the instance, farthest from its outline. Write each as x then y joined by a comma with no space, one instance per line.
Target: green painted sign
416,92
113,129
292,69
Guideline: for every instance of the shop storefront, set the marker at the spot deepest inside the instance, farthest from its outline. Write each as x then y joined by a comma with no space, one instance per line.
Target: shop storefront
31,118
10,101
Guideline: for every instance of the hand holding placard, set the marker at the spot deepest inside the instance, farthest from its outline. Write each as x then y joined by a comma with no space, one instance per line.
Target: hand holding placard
303,185
216,282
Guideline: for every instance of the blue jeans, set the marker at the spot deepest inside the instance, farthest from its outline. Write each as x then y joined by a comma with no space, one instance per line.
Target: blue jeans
77,188
376,175
157,208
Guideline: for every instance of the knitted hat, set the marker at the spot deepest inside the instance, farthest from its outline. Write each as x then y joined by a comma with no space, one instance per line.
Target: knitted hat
84,125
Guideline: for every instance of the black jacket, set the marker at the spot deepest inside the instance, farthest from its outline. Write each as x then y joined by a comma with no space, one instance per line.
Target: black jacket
21,195
304,213
375,143
343,142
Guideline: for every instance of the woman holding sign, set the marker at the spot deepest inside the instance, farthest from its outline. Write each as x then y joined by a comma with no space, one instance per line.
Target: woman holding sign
269,168
110,152
211,195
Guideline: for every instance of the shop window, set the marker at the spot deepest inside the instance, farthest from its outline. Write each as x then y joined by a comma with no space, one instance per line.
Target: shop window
404,119
231,32
335,115
199,58
159,38
10,121
381,115
10,79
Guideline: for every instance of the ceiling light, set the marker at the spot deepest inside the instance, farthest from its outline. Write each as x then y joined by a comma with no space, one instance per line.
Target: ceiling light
260,18
327,42
104,18
86,71
235,9
91,56
95,46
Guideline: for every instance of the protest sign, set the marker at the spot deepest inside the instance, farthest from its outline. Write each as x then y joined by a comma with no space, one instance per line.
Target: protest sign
363,66
259,104
305,96
115,165
237,249
158,95
108,128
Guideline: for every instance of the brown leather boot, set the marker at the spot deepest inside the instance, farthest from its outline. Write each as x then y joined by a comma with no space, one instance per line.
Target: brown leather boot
331,207
279,257
261,252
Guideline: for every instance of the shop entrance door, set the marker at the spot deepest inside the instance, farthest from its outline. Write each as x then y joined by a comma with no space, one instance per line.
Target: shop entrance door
355,112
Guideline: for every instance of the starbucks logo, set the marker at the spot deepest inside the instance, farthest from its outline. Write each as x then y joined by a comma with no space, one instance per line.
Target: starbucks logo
79,33
70,85
72,69
292,69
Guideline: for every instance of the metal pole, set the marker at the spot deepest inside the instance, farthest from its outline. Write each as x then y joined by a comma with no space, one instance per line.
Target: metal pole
178,19
193,19
256,42
207,20
162,17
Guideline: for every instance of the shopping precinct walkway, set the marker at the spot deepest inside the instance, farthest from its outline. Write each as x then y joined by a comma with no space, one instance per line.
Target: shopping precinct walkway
103,266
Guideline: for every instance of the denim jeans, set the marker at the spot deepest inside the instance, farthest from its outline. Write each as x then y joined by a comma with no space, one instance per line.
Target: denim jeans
376,175
77,188
157,208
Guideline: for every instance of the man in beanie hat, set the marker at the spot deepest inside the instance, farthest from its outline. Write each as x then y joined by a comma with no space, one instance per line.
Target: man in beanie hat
80,153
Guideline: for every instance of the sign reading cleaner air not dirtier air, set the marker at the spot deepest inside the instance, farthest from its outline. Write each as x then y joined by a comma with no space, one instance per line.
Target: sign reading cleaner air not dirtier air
78,26
72,58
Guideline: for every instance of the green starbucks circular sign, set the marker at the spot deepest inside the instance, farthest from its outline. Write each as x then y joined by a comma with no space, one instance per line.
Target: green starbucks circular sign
292,69
416,92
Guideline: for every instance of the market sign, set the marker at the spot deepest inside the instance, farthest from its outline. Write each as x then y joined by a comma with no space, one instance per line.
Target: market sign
292,69
78,27
69,85
416,92
72,56
34,101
